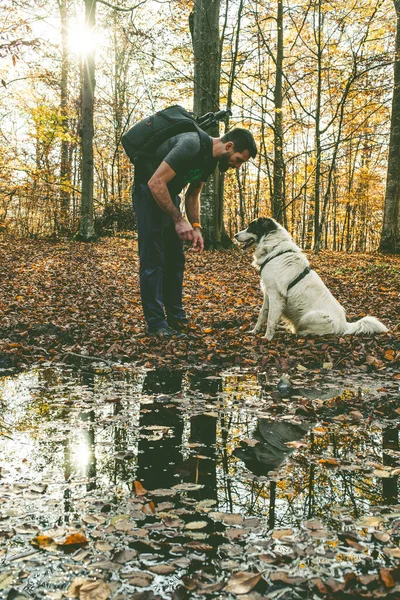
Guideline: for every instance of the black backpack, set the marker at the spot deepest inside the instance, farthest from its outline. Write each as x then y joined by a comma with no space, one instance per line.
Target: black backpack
144,137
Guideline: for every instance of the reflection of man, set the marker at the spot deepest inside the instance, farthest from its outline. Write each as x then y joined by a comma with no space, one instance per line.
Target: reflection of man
159,460
271,451
184,159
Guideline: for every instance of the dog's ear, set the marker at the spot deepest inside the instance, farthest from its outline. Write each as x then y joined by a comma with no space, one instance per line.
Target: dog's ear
268,226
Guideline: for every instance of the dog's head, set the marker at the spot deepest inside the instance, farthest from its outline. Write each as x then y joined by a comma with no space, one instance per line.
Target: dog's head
257,229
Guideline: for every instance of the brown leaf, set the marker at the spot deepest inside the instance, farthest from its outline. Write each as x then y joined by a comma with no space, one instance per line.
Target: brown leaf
280,533
149,508
319,584
139,489
140,579
392,551
93,519
242,582
329,462
42,541
284,578
84,589
73,539
233,534
387,578
314,524
381,536
192,525
210,588
162,569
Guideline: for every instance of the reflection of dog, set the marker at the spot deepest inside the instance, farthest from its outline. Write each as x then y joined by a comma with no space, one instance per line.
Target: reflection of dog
293,291
271,451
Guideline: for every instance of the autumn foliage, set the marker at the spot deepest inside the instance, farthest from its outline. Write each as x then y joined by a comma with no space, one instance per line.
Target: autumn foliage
63,300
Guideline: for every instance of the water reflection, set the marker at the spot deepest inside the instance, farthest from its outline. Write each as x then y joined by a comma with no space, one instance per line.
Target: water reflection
161,426
98,432
390,439
270,449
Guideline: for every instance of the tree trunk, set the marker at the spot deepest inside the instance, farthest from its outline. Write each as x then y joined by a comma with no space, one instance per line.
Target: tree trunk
278,194
317,191
205,39
390,237
65,162
225,240
86,230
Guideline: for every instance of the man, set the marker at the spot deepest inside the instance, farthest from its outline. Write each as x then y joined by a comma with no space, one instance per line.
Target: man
186,158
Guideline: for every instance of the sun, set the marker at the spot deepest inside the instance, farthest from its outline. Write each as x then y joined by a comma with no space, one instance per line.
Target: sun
81,40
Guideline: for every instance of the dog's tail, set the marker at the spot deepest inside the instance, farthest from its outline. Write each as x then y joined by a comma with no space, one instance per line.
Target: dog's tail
365,325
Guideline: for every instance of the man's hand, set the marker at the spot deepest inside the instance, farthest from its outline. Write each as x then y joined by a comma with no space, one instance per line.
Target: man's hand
198,242
184,230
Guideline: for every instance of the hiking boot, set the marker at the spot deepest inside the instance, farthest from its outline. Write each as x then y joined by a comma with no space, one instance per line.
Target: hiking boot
181,325
165,332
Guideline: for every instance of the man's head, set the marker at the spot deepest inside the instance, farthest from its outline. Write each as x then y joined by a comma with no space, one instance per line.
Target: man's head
239,146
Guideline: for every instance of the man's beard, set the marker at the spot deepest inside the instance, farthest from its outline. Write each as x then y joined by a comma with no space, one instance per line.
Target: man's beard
223,163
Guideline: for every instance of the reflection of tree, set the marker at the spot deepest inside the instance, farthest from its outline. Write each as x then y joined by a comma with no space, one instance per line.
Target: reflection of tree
67,477
390,439
90,448
159,454
201,467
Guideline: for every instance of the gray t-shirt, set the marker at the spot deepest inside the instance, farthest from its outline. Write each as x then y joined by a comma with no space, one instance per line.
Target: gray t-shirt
191,159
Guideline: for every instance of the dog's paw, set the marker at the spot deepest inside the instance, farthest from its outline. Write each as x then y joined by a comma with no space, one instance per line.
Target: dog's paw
254,331
268,336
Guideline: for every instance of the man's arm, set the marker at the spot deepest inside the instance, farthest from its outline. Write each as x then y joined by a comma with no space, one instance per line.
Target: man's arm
192,206
158,187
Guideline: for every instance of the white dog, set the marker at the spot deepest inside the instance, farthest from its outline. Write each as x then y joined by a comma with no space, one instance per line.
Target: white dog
292,291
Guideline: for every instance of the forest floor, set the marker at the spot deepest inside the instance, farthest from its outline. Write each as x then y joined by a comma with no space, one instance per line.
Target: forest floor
217,466
62,299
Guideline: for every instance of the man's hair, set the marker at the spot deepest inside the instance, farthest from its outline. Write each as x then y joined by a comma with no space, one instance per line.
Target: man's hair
242,139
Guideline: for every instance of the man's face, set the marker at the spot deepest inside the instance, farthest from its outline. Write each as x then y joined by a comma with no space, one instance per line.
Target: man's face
231,159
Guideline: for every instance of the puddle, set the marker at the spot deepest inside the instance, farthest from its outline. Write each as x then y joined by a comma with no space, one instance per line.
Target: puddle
168,474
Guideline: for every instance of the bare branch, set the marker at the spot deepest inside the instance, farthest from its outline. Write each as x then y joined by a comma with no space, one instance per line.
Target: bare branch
120,9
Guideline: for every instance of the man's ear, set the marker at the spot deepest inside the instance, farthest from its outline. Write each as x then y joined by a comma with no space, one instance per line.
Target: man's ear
229,147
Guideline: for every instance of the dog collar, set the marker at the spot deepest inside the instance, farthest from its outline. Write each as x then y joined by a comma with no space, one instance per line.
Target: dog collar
275,256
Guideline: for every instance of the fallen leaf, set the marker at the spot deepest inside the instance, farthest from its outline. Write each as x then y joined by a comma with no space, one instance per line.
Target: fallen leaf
277,534
196,525
140,579
381,536
187,487
369,521
124,556
73,539
314,524
162,569
242,582
94,590
42,541
139,489
392,552
93,519
387,578
6,579
329,462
